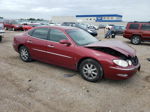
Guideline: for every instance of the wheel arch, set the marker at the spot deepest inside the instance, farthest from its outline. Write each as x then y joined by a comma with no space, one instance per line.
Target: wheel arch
136,35
20,46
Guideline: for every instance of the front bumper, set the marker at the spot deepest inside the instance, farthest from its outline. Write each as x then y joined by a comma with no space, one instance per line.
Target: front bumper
118,73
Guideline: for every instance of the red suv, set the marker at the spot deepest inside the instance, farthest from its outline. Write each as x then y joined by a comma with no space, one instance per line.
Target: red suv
137,32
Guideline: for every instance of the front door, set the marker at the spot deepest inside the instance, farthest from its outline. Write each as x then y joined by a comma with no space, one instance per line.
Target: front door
60,54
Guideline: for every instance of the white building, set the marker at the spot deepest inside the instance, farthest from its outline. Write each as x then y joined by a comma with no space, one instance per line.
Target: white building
61,19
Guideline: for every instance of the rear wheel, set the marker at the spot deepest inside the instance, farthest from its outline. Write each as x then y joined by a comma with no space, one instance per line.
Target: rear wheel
6,28
136,40
13,29
91,70
24,54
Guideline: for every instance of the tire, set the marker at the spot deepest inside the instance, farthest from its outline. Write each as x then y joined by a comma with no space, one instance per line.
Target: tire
0,38
6,28
136,40
113,35
24,54
91,70
13,29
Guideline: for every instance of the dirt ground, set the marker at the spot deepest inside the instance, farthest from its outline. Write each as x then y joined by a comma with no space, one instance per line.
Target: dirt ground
40,87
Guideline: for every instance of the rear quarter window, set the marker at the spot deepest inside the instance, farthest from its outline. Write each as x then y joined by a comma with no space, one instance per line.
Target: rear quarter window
30,32
145,27
134,26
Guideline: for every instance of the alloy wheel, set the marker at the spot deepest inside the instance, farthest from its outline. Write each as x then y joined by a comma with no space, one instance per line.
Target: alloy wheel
24,54
136,40
90,71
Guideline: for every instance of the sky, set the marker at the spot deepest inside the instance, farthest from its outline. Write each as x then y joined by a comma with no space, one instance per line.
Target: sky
132,10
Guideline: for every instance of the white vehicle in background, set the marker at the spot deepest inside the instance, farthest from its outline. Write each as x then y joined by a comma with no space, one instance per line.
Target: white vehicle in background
2,31
109,26
54,24
91,26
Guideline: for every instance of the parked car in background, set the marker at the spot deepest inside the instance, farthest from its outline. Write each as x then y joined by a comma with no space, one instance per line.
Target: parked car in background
55,24
30,26
117,30
102,26
2,31
26,27
12,25
83,26
91,26
76,49
34,25
137,32
73,24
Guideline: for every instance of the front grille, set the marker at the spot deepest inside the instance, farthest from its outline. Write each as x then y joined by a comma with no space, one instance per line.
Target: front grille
134,60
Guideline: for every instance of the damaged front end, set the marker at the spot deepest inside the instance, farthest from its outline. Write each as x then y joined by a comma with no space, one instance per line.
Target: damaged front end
123,62
130,59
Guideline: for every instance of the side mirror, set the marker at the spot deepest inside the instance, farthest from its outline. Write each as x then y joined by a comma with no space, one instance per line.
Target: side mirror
65,42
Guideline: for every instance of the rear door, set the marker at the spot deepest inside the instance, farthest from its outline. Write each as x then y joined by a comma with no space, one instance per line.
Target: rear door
37,43
145,31
132,28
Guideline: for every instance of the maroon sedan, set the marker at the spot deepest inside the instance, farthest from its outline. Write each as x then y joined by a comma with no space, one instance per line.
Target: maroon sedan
76,49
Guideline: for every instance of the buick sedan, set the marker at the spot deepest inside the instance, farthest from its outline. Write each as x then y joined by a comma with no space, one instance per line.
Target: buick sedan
76,49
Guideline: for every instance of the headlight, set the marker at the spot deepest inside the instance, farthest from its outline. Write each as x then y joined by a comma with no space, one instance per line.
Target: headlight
121,63
129,62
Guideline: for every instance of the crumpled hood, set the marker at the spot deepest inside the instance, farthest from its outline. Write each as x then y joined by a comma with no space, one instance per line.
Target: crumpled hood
116,45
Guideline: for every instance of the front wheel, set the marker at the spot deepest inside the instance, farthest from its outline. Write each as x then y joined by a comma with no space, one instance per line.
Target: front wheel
24,54
91,70
136,40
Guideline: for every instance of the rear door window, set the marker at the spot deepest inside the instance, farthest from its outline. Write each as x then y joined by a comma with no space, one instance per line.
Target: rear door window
145,27
40,33
134,26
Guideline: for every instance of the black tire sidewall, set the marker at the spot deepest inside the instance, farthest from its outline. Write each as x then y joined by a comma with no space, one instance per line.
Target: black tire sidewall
98,66
0,38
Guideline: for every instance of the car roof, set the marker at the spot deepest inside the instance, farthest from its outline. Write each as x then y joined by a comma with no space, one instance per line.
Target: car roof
140,22
59,27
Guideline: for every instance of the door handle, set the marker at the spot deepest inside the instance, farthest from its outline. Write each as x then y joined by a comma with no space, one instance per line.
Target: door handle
29,41
51,46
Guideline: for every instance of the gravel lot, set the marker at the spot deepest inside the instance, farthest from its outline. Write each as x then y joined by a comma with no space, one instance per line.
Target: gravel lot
40,87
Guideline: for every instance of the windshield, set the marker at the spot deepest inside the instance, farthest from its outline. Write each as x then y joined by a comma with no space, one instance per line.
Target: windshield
81,37
119,27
